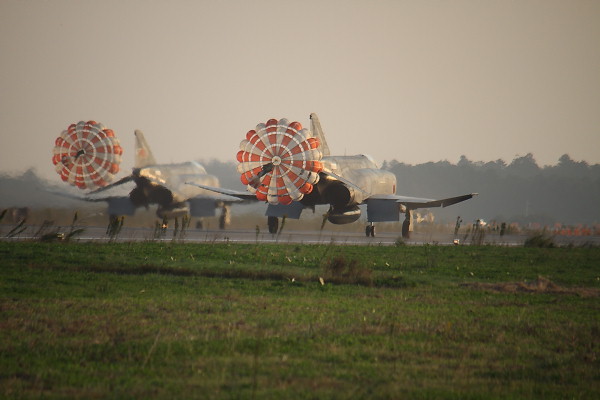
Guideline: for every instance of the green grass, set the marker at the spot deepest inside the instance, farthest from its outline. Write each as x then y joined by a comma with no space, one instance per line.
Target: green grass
168,320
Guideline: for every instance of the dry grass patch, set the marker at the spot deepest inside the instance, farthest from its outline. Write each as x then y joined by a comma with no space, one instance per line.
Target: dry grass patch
539,285
340,270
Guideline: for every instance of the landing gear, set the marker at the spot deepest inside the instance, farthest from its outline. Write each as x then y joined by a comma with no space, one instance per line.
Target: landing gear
225,217
370,230
273,223
406,225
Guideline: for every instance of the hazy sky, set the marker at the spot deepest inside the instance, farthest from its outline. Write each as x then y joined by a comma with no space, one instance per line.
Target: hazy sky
414,81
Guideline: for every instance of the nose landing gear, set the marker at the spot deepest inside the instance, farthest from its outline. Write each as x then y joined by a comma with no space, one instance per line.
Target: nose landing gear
370,230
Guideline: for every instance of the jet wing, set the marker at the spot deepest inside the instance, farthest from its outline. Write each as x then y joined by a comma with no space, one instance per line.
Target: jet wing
230,194
117,204
418,202
121,181
388,207
292,210
70,195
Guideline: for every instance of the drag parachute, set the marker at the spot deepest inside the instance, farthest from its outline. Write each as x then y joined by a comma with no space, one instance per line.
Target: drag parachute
279,161
87,155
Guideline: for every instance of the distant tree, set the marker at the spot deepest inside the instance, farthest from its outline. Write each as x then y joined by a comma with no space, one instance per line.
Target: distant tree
498,165
567,167
464,162
524,166
392,164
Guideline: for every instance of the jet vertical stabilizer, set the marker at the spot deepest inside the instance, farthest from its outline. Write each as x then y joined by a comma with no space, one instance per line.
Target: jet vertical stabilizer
143,154
315,127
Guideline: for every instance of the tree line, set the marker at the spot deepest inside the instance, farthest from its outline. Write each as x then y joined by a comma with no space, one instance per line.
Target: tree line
522,191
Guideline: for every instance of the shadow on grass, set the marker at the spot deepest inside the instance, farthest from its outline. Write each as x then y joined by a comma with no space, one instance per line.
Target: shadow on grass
336,271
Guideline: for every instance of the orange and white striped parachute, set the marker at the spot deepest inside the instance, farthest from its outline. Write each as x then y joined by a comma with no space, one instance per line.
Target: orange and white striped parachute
87,155
279,161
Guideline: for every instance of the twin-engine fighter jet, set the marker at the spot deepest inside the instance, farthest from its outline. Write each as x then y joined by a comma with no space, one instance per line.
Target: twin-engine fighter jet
291,168
149,183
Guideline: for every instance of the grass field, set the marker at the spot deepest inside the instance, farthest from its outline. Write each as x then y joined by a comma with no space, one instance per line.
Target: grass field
169,320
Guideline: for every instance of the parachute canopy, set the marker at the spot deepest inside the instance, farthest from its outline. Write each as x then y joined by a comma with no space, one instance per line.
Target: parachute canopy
87,155
279,161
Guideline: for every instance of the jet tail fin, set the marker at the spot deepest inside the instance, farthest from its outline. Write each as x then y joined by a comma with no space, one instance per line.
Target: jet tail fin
315,127
143,154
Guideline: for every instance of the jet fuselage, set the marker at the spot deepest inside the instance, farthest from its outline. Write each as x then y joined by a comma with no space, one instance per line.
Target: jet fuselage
365,177
165,185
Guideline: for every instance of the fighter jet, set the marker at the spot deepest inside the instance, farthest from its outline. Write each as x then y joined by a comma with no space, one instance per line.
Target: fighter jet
342,182
163,185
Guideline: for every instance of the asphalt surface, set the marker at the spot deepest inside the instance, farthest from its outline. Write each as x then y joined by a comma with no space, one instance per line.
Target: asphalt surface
98,234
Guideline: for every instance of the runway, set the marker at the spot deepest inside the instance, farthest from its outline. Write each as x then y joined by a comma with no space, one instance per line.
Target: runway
312,237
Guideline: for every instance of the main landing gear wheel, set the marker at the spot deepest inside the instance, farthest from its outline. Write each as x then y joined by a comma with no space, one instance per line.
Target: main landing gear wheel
273,223
370,231
406,226
225,217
